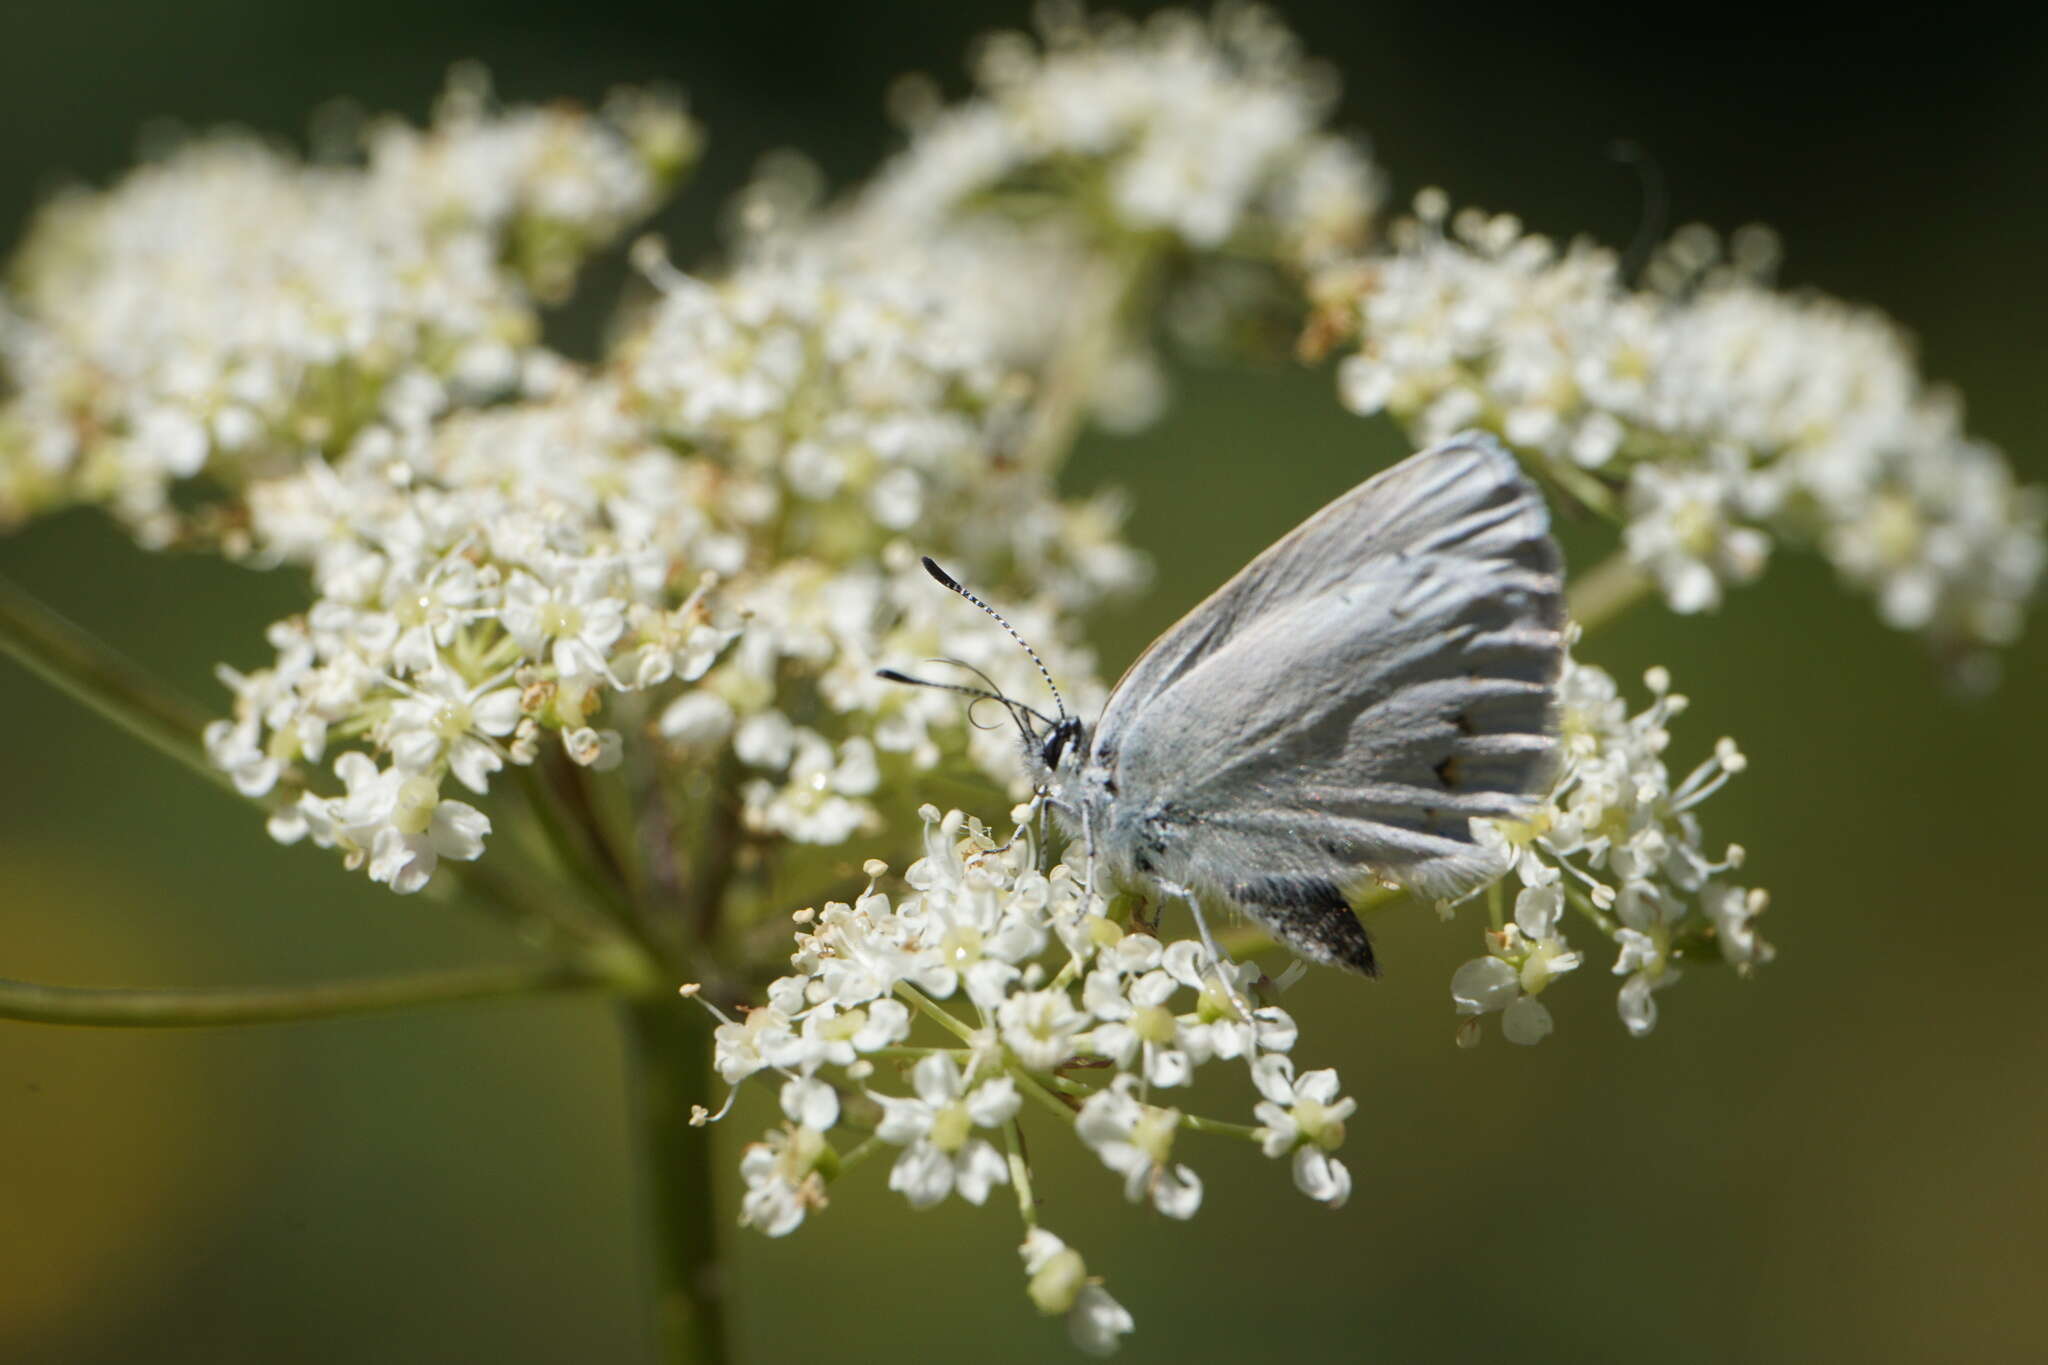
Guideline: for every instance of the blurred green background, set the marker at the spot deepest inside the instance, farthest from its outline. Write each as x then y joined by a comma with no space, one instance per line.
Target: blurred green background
1842,1158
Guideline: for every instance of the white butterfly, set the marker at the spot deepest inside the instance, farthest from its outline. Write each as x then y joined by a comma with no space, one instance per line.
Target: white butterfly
1337,713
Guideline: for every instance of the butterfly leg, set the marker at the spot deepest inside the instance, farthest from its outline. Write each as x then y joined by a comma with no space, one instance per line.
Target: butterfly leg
1224,976
1088,848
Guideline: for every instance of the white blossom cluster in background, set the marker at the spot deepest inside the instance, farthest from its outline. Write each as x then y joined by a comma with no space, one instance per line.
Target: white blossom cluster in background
226,308
915,1028
1210,132
1084,161
714,528
1727,415
1618,842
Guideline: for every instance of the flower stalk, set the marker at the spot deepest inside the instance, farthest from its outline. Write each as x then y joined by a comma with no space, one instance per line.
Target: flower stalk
223,1006
1607,591
668,1048
91,673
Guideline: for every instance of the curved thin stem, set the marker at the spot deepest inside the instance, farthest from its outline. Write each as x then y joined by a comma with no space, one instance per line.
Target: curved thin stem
1112,294
1020,1174
84,668
219,1006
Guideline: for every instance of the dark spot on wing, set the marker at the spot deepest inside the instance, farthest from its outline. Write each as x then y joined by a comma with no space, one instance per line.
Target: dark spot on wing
1447,773
1311,917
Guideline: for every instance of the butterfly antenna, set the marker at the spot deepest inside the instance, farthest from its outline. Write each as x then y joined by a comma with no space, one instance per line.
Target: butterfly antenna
1016,709
997,692
947,580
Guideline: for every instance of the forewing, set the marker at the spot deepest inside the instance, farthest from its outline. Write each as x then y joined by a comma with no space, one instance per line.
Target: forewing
1447,499
1353,723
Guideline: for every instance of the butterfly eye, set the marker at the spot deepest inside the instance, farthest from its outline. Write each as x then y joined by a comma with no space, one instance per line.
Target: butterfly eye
1056,743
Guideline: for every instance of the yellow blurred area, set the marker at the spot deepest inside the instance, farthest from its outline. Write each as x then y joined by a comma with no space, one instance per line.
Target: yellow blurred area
115,1180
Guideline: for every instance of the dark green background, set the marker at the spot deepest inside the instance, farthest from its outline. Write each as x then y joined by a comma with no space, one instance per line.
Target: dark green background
1841,1159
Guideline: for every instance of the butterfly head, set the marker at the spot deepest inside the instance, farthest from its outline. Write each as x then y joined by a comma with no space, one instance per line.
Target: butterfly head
1066,739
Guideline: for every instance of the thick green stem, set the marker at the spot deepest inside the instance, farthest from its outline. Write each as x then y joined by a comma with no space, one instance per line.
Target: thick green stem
212,1007
669,1050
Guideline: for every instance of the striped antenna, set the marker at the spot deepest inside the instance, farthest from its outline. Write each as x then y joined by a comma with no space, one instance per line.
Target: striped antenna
947,580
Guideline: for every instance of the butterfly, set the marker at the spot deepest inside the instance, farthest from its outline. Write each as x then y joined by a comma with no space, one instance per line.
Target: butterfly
1336,715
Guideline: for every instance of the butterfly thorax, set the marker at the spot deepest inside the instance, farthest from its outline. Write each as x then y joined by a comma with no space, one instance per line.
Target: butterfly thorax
1076,771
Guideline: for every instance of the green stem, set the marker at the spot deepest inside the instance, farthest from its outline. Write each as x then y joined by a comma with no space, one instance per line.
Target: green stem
1218,1128
1038,1091
210,1007
87,669
1607,590
570,848
75,663
924,1005
1583,903
1110,298
1020,1174
669,1051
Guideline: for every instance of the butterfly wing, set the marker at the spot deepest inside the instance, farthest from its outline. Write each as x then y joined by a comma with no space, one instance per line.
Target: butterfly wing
1349,702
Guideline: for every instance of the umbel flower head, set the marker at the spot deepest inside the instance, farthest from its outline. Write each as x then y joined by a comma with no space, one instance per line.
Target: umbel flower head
618,621
1618,843
228,308
701,547
917,1025
1718,415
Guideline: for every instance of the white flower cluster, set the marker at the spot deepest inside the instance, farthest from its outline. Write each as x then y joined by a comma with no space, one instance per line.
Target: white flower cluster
228,308
847,417
1207,131
1724,413
851,407
1620,842
1034,994
1042,205
484,577
480,580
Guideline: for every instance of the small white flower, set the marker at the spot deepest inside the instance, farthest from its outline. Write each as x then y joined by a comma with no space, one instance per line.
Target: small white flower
1683,527
783,1180
696,720
441,718
763,1038
1304,1117
599,750
1733,911
936,1130
1058,1285
810,1103
1137,1022
1040,1027
1136,1141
